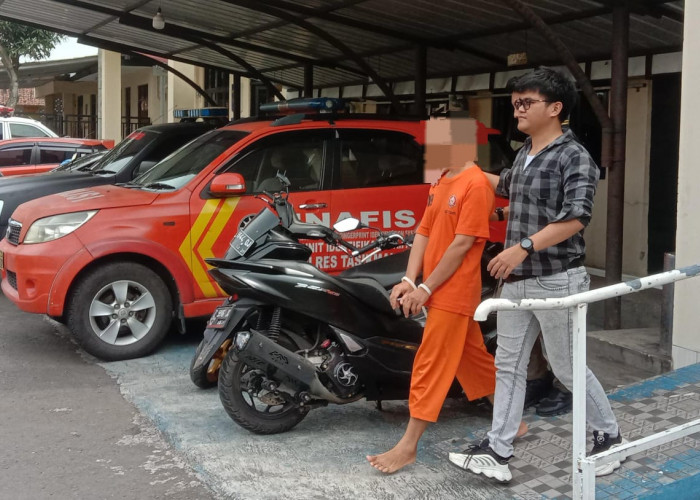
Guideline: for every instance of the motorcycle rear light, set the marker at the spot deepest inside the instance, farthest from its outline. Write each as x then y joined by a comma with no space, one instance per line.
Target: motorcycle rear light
325,344
242,339
233,298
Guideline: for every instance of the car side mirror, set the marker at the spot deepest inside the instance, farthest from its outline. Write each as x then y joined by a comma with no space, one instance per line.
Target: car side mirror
345,225
228,184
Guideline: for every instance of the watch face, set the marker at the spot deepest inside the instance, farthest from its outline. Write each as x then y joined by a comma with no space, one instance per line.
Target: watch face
526,243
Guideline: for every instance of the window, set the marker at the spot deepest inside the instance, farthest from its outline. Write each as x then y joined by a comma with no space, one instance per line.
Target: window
54,155
13,157
25,130
180,167
375,158
298,155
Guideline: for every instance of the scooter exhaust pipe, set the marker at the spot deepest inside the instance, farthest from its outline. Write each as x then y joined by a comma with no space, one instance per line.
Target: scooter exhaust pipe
260,351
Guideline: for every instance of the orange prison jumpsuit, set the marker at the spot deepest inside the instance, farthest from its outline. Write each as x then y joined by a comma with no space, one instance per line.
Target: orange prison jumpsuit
452,344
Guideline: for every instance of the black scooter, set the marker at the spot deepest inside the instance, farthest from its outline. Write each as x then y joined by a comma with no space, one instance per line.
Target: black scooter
292,337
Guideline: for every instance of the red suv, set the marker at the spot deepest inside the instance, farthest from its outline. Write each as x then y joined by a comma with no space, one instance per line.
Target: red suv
119,263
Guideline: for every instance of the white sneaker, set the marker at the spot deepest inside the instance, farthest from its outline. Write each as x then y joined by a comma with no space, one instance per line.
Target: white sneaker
481,459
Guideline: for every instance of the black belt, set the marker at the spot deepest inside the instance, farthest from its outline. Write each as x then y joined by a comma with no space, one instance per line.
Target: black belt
514,278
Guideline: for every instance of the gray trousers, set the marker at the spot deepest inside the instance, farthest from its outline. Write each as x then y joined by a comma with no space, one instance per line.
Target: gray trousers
517,332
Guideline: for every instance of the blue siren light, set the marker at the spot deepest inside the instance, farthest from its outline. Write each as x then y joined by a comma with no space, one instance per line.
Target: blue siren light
200,113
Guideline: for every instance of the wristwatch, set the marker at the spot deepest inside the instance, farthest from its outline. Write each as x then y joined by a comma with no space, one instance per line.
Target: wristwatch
499,213
527,245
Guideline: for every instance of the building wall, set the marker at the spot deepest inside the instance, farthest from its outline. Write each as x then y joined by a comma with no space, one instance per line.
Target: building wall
636,211
686,341
132,79
180,94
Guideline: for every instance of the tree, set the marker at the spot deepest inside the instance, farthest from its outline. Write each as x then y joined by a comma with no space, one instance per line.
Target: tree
17,40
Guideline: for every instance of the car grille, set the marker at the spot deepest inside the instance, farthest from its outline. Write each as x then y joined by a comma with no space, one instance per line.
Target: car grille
12,279
13,230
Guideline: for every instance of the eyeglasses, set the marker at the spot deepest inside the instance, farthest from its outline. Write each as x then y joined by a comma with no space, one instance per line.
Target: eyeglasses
526,103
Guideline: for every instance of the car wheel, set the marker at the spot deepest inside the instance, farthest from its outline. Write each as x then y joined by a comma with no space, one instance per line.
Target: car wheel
120,311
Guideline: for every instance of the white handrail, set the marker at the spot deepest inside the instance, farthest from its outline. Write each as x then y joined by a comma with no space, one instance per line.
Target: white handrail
584,467
608,292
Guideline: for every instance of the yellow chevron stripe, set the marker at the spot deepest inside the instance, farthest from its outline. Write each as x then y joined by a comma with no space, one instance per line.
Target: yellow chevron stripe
204,250
186,248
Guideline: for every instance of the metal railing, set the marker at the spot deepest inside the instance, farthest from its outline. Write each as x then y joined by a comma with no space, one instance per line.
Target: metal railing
583,466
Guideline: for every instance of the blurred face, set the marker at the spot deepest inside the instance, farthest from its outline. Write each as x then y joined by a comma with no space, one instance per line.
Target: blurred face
533,111
448,143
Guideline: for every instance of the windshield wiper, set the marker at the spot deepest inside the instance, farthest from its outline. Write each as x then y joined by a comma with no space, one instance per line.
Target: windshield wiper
102,171
158,185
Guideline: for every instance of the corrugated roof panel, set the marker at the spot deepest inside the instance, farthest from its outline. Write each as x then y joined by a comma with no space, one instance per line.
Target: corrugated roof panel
255,59
140,38
394,26
227,19
52,14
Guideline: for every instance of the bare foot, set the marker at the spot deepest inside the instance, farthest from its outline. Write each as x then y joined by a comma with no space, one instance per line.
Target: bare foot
396,458
522,430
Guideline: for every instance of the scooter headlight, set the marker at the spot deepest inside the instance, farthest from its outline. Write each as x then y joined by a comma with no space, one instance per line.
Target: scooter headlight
242,339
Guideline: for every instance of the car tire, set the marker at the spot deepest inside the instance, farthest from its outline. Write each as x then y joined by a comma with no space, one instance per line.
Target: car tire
122,310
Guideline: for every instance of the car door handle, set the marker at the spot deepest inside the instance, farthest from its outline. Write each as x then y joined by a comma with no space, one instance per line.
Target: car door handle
312,206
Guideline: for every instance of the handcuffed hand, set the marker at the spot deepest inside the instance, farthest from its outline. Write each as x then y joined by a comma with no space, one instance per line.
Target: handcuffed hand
399,291
412,302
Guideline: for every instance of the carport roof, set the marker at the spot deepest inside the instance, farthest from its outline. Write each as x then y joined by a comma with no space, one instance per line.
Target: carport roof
279,38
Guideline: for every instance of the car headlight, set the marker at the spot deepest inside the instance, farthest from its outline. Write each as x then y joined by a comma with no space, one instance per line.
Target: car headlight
56,226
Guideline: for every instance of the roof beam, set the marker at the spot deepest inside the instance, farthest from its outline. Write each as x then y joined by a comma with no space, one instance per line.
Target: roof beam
381,30
328,38
145,24
179,31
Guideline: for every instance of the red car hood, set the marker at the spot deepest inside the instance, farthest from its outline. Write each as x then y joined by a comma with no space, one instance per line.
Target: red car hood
78,200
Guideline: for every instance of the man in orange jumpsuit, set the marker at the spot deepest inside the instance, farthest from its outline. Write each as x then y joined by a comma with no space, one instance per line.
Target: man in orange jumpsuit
447,248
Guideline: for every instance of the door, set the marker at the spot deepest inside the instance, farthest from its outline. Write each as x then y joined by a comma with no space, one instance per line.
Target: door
663,168
300,155
143,105
379,180
17,159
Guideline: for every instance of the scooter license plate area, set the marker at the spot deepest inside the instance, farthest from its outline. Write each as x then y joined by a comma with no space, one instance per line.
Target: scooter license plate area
241,243
220,317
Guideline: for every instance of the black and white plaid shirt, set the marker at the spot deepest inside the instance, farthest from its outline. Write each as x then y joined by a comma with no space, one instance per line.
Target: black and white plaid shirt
558,185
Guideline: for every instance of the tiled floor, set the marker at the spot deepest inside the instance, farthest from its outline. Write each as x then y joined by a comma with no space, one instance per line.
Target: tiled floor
542,464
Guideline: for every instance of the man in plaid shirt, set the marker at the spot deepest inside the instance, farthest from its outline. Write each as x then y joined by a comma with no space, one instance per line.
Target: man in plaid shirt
551,187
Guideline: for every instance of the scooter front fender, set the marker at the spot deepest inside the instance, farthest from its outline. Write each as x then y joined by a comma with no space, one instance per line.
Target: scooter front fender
214,337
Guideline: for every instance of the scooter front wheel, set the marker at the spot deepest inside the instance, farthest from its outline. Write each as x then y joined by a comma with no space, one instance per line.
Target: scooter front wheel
251,406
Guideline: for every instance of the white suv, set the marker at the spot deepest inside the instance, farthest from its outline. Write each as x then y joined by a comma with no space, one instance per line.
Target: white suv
13,127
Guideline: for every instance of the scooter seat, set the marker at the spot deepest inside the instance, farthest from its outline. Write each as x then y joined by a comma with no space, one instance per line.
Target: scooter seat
387,271
370,292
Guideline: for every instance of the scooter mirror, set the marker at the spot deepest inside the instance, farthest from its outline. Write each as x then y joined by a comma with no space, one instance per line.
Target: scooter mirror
345,225
283,179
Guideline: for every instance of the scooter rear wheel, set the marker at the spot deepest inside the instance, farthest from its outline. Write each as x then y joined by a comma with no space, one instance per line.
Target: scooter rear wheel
266,416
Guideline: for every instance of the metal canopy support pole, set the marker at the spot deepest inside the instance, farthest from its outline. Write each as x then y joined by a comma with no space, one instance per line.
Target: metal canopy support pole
421,75
616,175
308,80
579,414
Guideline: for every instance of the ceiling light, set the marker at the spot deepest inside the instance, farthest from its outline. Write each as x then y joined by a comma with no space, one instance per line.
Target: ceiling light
158,20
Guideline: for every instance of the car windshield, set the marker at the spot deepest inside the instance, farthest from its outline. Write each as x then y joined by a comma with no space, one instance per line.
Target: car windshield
180,167
121,155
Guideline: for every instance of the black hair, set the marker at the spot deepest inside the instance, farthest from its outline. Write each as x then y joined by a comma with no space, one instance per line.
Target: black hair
551,84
